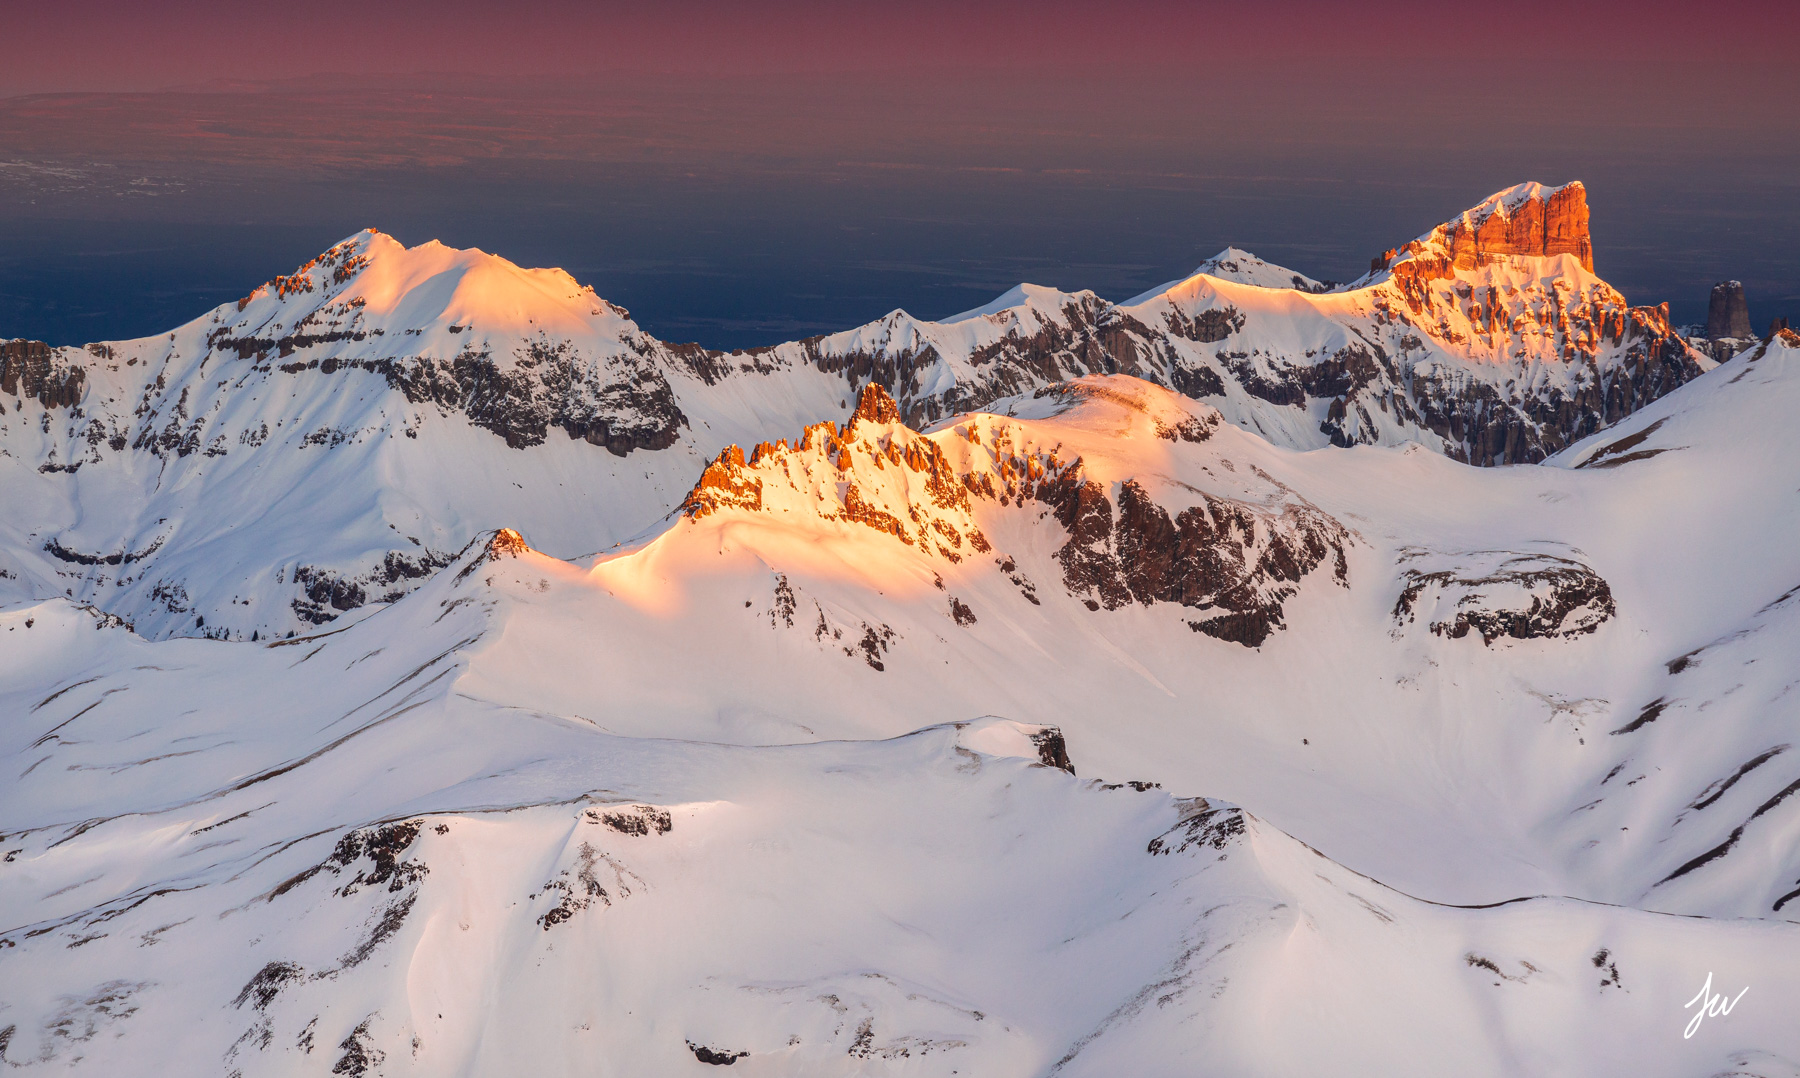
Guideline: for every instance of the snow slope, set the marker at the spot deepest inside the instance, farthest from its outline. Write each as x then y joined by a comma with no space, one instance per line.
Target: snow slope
412,877
739,786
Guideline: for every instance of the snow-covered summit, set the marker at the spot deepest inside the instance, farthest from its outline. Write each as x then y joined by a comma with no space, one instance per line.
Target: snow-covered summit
376,285
1241,266
1509,201
1020,297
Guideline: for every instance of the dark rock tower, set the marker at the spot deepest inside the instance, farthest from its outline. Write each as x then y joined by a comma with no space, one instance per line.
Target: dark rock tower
1726,314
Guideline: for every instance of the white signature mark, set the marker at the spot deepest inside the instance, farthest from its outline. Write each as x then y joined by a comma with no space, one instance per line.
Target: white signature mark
1711,1005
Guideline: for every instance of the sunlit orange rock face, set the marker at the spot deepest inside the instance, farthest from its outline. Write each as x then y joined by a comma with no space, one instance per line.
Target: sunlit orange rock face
1554,222
1557,225
1566,225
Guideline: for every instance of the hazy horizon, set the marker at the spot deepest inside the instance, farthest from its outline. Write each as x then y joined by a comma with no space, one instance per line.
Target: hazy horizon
731,180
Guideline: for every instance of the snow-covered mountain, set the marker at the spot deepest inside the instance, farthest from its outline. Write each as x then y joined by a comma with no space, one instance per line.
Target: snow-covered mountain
347,427
338,434
415,668
733,794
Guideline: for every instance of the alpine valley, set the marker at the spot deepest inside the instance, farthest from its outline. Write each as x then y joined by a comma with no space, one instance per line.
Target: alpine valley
414,667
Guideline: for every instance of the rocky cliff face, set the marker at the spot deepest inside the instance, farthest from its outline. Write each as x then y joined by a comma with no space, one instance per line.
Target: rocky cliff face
1529,220
1727,331
34,370
1727,315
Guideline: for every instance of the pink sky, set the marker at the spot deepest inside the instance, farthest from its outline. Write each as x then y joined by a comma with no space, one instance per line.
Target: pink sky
114,45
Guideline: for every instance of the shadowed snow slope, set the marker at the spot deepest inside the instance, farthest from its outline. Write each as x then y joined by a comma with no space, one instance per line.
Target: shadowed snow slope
735,792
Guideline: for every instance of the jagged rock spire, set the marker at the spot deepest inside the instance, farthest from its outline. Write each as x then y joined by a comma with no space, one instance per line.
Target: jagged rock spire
876,405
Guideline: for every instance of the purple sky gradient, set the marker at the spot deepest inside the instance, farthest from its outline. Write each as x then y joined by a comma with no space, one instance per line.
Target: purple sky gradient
76,45
155,159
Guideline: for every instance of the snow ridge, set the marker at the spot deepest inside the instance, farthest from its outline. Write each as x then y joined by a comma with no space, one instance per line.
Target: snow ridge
382,396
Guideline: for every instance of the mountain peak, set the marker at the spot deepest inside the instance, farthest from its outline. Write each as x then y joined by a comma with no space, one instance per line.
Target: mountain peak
1024,296
1527,219
1236,264
390,286
1511,199
876,405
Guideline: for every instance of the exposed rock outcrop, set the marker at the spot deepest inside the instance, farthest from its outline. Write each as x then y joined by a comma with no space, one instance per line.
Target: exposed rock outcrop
623,405
1053,750
1500,594
324,593
1232,562
32,369
1727,330
1727,315
507,543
